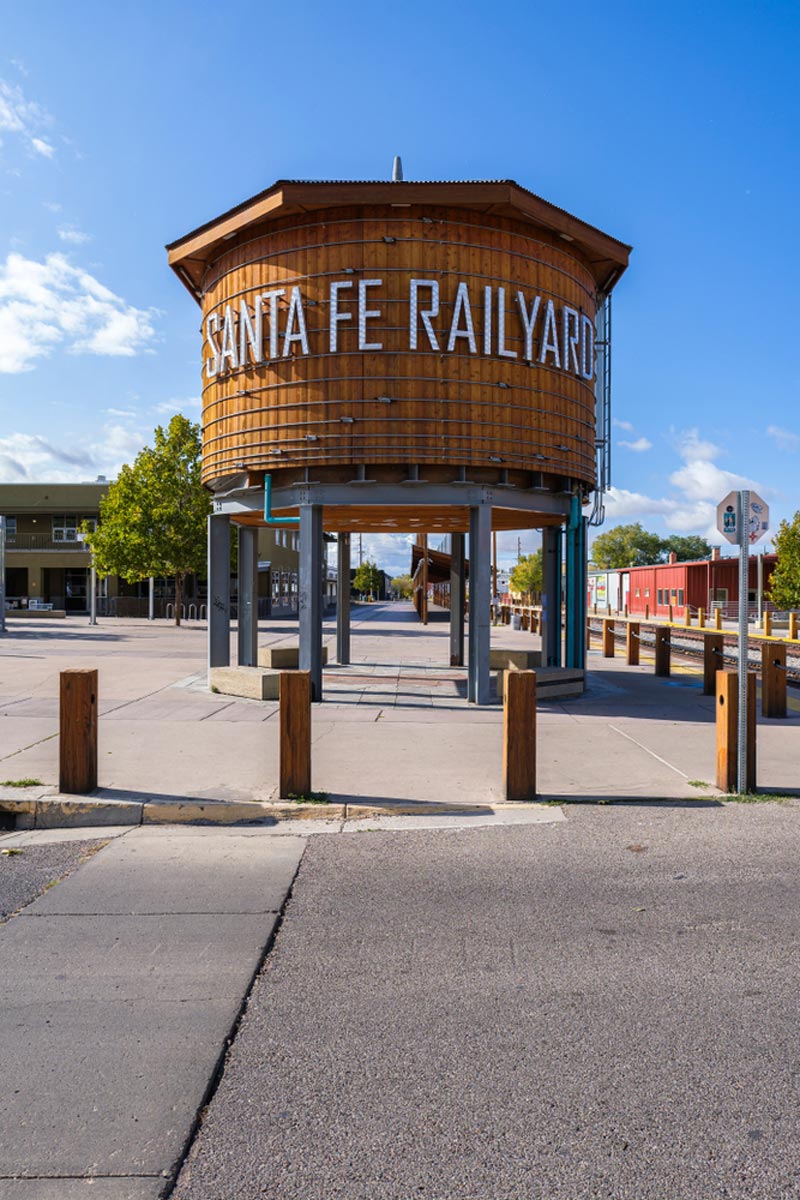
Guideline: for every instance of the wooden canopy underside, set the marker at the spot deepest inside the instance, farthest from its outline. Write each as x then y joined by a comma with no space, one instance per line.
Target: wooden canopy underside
366,518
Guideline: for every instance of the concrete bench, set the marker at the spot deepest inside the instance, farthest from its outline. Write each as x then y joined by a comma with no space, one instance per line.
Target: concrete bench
284,658
522,660
252,683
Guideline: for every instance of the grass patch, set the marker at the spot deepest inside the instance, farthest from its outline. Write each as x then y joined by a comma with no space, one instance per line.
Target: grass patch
757,798
308,797
697,783
21,783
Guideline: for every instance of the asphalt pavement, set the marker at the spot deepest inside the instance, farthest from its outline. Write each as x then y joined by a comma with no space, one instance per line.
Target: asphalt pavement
600,1007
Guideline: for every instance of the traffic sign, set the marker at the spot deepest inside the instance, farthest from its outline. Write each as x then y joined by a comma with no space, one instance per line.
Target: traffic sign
728,518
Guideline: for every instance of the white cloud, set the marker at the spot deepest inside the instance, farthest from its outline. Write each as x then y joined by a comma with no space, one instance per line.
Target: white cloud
690,446
784,439
626,425
42,147
170,407
699,480
120,412
622,503
52,303
28,457
51,206
25,118
76,237
639,446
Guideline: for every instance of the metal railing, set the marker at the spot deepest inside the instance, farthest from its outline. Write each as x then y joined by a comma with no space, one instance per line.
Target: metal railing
44,541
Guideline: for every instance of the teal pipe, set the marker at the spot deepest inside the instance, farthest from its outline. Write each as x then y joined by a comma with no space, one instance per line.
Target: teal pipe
268,517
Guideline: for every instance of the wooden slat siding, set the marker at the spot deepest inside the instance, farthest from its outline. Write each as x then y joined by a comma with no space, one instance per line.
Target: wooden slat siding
447,407
77,750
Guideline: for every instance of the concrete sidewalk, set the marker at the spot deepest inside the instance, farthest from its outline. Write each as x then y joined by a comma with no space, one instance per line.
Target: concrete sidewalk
120,987
394,727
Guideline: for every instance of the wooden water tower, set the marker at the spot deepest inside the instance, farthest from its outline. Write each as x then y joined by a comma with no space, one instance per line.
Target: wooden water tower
403,357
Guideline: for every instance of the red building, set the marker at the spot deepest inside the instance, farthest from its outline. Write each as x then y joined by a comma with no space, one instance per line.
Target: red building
706,584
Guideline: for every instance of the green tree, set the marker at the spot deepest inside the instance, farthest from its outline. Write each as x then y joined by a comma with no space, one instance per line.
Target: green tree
367,578
153,517
526,576
403,585
784,590
687,548
626,546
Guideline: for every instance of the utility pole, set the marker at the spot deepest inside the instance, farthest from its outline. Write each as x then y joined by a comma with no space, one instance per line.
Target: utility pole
494,565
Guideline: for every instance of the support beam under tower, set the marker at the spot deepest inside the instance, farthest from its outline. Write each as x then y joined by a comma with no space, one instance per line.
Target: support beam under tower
457,592
343,600
247,639
551,596
310,595
219,590
480,599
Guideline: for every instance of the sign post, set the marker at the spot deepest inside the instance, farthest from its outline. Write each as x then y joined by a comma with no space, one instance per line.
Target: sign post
742,518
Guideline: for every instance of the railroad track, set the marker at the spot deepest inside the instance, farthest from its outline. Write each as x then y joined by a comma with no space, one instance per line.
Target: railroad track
689,643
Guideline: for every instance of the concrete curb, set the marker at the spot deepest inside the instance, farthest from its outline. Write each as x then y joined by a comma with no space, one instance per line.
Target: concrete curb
57,812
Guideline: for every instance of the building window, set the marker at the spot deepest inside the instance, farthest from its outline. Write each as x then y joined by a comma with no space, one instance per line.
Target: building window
65,527
674,595
680,597
660,596
11,529
637,593
647,593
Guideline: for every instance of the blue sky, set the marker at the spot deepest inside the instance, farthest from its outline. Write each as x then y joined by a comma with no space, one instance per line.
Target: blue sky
672,126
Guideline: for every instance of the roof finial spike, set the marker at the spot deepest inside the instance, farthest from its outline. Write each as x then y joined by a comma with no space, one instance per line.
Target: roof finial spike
397,169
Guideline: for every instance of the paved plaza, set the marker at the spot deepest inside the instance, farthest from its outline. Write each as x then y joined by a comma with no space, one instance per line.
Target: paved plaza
545,1001
394,725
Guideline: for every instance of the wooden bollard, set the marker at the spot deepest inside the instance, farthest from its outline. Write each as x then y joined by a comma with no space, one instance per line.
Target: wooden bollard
727,731
712,662
519,735
647,612
773,679
608,638
767,624
77,748
718,618
626,610
295,733
632,643
671,614
588,632
687,617
701,618
793,627
662,649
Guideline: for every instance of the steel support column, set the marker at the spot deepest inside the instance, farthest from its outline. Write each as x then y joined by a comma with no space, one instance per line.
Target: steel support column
575,599
310,595
551,596
457,577
480,600
343,600
219,590
247,638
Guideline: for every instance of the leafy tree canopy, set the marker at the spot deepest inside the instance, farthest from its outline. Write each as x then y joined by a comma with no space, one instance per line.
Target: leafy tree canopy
153,517
686,548
526,576
784,591
633,546
367,578
403,585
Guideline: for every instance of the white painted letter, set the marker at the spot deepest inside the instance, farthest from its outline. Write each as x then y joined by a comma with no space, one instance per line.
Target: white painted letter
228,341
364,313
295,314
487,320
462,304
212,364
425,313
528,323
587,347
570,317
501,326
250,331
550,336
335,315
273,296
